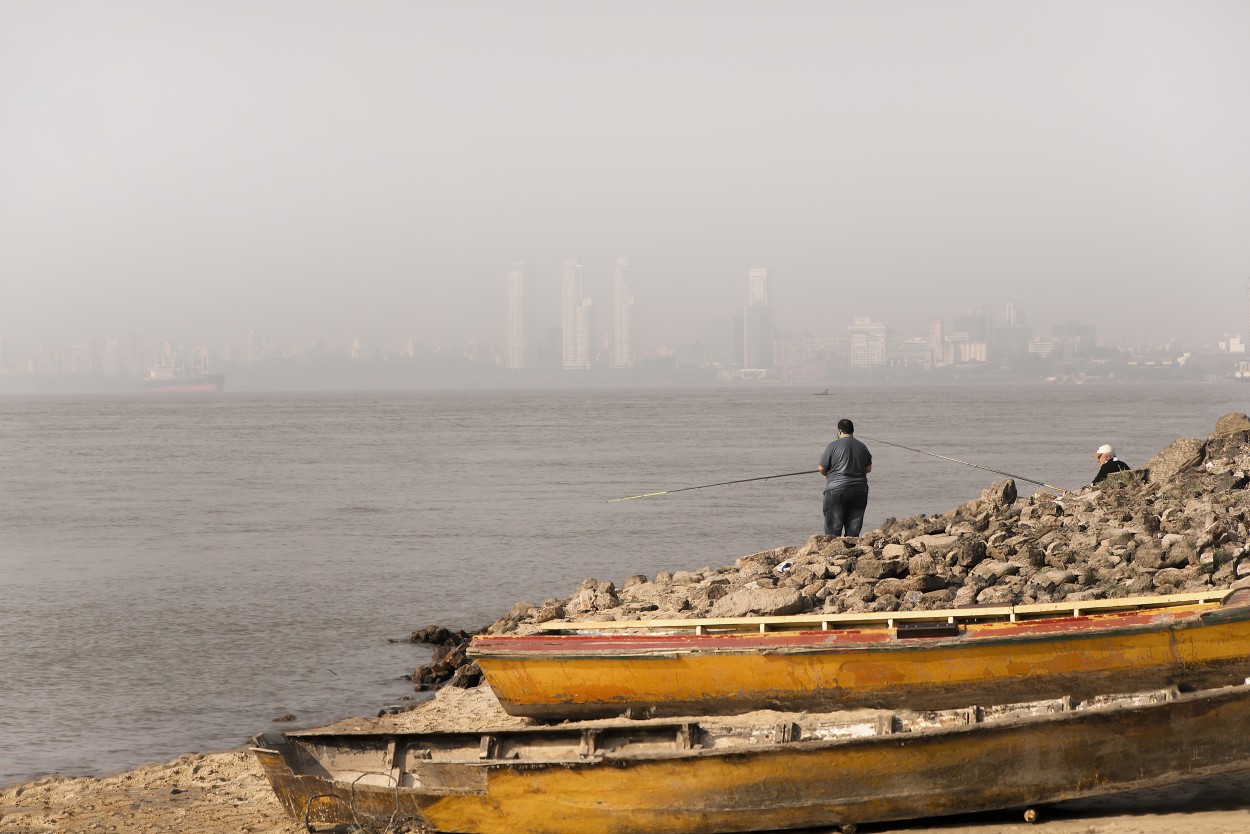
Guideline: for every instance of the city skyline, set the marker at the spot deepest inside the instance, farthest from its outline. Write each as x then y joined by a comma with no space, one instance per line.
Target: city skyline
533,317
998,337
169,172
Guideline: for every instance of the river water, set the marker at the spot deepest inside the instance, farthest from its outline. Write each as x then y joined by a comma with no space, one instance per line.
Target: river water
176,572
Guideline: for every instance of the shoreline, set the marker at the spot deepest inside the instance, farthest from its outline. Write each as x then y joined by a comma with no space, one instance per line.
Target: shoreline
205,793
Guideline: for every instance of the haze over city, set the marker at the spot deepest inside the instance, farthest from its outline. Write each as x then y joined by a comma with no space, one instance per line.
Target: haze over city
327,170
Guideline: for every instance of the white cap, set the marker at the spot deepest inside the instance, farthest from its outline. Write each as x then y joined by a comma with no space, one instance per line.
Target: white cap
1104,449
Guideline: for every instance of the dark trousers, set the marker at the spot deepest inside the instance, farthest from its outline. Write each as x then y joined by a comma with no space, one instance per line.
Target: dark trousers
844,511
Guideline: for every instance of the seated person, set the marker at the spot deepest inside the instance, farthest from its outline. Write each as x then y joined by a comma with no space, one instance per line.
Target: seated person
1108,463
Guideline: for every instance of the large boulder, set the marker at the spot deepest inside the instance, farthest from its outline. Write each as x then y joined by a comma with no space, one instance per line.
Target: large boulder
761,602
1000,494
1183,453
1231,424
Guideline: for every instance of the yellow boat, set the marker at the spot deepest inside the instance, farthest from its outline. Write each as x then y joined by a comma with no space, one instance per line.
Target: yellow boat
776,771
916,659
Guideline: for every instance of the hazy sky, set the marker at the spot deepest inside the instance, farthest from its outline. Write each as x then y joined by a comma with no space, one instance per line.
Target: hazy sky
340,169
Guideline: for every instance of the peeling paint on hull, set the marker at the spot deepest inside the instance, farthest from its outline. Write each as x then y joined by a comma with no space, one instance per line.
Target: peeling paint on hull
640,777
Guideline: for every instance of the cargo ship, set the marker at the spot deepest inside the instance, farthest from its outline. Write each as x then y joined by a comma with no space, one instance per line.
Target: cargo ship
168,379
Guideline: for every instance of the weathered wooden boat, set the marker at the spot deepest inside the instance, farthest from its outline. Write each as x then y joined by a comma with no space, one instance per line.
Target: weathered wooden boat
774,771
914,659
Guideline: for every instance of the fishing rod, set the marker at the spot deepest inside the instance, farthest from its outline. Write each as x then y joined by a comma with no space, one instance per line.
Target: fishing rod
705,486
966,463
814,471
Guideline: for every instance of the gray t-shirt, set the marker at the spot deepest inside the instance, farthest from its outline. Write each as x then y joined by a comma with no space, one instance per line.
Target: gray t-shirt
845,461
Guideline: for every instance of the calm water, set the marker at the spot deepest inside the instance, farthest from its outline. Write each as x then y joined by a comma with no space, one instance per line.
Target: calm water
175,572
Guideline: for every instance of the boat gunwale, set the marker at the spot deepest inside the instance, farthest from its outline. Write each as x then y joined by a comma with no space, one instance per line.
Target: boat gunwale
668,646
1153,699
975,613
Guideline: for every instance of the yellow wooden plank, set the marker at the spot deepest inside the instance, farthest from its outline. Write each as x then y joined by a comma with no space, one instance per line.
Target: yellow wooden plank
824,621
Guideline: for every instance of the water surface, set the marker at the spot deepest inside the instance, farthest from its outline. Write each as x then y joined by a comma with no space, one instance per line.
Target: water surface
179,571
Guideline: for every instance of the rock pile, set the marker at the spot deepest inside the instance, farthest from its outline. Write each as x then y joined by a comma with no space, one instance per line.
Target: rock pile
448,664
1181,523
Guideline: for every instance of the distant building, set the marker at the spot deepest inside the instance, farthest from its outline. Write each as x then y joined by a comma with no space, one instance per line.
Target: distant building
967,352
249,351
574,319
974,323
914,352
1073,338
722,338
1042,347
111,362
868,342
624,344
937,345
757,286
1009,337
517,336
757,323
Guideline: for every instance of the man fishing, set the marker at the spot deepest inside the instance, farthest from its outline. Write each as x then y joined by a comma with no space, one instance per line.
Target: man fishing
845,463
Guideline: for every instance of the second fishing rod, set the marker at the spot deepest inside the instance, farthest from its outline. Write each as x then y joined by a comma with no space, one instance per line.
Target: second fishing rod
967,463
813,471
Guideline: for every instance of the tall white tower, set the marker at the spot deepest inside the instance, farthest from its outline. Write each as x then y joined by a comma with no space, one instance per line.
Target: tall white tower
574,319
624,346
517,341
757,286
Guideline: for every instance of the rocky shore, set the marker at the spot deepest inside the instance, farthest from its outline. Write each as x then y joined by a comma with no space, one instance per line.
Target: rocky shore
1180,523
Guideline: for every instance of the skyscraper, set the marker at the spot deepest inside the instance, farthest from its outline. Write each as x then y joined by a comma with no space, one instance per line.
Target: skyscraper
624,346
517,337
757,323
574,319
757,286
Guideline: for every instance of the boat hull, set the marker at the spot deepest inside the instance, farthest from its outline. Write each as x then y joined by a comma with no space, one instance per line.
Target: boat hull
561,676
1017,762
204,383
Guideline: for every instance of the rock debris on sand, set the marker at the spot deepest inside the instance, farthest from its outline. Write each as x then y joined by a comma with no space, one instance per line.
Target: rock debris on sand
1181,523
